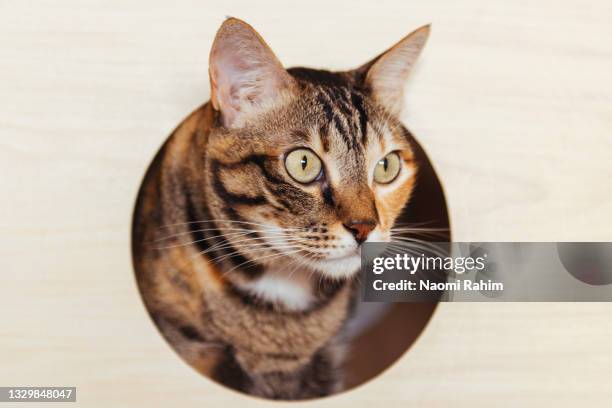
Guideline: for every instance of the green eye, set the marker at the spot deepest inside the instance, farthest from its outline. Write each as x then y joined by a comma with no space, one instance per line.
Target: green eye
303,165
387,168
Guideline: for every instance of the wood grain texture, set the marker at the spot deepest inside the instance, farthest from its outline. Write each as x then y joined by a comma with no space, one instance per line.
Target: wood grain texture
512,100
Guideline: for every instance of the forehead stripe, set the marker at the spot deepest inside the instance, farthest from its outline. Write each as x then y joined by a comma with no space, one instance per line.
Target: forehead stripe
363,117
339,95
324,136
331,117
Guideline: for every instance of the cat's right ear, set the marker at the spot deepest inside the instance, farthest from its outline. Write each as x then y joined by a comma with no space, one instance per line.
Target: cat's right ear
245,75
386,74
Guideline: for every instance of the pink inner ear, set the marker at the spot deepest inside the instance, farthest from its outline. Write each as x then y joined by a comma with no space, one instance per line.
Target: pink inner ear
245,73
389,73
230,74
233,70
240,85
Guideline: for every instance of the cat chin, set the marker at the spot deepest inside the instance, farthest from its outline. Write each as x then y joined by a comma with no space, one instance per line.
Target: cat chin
338,268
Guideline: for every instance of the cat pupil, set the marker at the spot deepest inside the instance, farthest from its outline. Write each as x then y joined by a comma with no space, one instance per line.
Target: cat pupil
304,162
385,164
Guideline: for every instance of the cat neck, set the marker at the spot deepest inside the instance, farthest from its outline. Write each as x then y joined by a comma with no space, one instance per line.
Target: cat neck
292,288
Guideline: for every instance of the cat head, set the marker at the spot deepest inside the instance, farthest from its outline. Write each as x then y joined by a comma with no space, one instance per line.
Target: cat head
303,166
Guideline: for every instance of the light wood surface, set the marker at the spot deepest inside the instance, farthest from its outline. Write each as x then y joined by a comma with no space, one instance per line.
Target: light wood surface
512,100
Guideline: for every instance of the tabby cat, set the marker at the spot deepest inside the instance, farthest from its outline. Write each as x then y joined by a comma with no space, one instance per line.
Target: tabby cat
248,227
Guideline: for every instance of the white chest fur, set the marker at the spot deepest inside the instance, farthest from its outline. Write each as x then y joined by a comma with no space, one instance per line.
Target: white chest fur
293,288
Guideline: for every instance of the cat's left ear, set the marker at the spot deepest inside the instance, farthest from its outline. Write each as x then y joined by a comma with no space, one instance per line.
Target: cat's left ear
385,75
245,75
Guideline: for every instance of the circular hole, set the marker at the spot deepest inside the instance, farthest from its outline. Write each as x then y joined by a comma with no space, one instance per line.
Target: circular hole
238,340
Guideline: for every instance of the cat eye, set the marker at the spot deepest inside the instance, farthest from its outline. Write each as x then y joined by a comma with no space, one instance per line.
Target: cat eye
303,165
387,168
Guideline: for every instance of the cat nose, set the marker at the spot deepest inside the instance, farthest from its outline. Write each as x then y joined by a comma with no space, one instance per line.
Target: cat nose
360,229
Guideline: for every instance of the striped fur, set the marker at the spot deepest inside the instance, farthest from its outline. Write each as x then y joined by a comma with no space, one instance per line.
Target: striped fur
219,221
